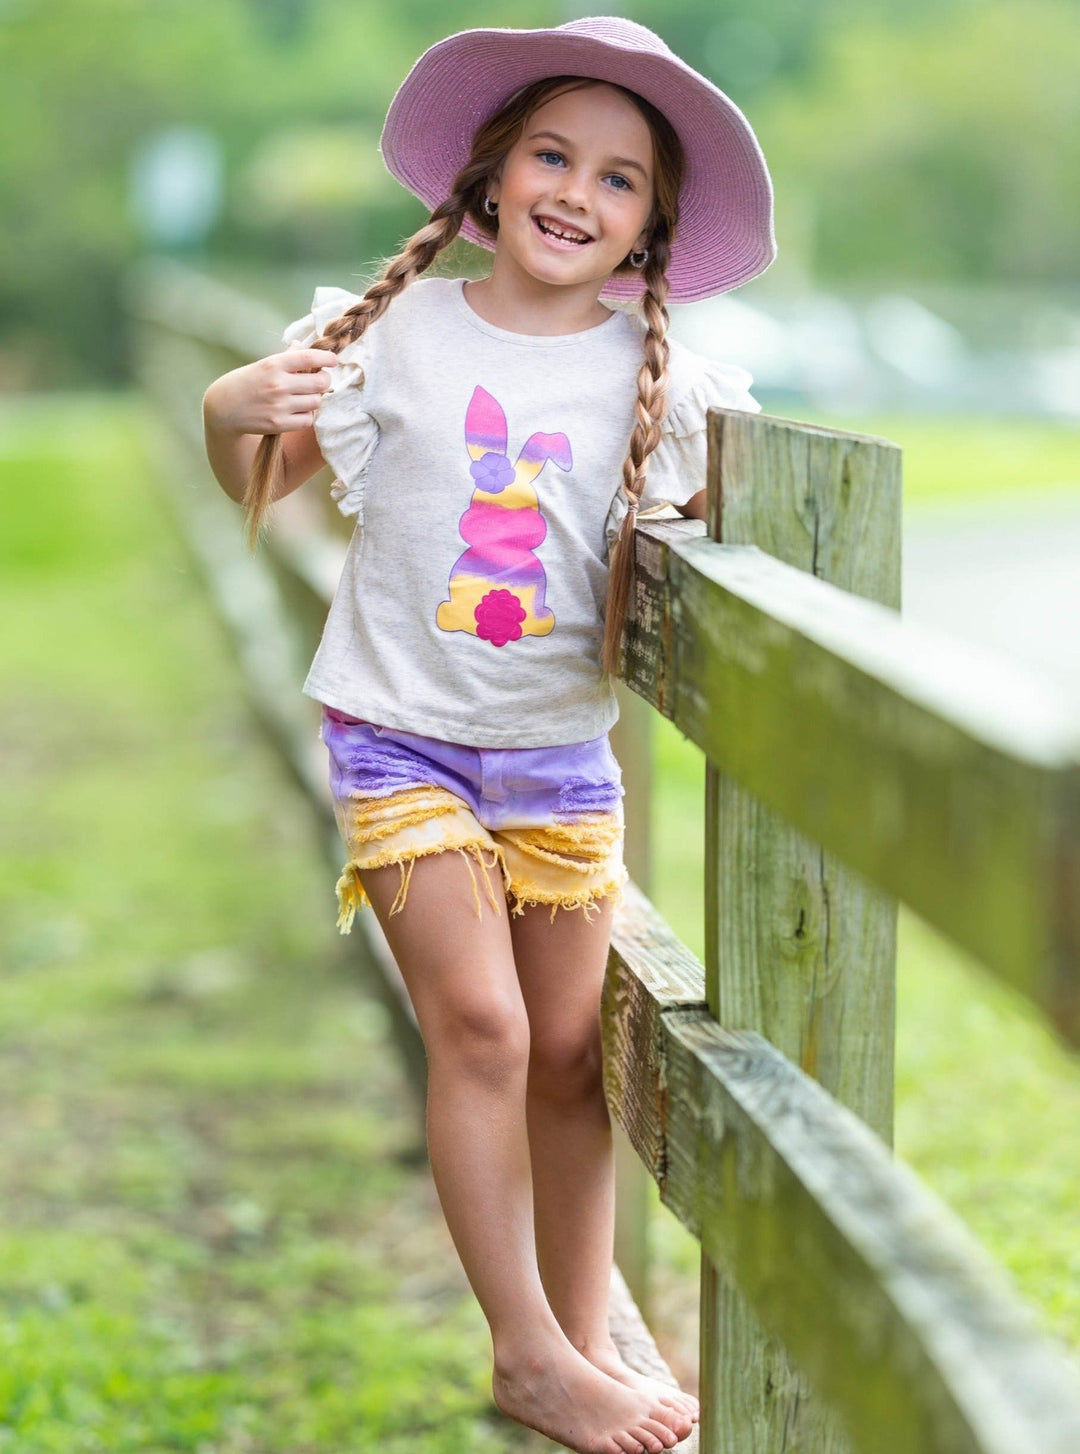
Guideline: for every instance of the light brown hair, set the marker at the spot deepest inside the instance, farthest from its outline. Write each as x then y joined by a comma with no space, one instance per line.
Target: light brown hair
491,143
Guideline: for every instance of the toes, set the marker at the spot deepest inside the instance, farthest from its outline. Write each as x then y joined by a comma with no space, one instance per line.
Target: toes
674,1419
646,1440
651,1437
629,1444
683,1402
667,1436
682,1405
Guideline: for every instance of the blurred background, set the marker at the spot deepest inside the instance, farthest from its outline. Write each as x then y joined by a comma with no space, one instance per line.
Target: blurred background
218,1232
925,157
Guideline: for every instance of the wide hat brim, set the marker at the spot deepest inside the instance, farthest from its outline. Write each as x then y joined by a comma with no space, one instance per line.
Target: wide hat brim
725,233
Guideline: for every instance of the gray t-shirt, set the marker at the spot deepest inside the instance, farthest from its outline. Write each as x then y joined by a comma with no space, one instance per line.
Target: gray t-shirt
482,468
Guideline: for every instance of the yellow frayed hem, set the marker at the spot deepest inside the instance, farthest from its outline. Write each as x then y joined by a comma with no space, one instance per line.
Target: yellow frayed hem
597,835
583,899
536,862
368,820
352,897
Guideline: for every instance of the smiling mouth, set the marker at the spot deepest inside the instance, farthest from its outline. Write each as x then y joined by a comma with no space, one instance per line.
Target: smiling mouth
560,234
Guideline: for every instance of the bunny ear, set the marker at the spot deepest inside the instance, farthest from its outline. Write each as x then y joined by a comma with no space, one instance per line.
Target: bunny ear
539,448
485,424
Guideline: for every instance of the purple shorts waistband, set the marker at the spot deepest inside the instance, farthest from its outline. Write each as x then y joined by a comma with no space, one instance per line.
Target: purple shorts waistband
505,786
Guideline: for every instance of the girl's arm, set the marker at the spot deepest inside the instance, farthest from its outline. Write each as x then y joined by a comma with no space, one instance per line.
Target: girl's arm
695,507
274,395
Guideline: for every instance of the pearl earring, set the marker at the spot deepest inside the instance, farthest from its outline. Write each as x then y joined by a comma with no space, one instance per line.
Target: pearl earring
639,259
490,207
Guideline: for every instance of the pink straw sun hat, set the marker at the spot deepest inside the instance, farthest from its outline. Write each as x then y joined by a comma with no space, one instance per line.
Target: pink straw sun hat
725,232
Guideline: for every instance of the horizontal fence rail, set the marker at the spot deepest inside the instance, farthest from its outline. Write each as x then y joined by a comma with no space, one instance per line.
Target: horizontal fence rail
944,775
902,1320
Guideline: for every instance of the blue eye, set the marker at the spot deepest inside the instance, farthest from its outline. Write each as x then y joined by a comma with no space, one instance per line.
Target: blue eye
627,186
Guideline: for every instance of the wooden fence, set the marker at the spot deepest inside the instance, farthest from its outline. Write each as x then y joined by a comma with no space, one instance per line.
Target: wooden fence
854,760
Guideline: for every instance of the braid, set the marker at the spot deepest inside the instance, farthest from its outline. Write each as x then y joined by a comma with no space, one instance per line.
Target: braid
268,465
650,410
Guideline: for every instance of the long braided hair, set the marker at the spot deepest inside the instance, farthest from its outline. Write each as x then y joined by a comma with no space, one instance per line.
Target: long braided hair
491,143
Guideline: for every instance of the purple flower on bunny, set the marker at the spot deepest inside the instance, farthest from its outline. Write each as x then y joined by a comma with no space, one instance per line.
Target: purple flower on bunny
493,472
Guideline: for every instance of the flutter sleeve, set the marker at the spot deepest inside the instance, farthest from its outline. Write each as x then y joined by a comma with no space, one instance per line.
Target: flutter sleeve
345,426
676,467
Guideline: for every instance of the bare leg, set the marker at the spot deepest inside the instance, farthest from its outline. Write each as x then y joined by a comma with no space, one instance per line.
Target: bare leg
461,978
561,967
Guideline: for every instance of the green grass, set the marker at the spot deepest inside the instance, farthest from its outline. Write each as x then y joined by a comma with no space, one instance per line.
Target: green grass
972,458
217,1232
217,1229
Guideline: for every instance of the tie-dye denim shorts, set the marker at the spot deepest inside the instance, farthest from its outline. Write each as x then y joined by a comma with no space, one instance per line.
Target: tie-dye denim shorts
550,817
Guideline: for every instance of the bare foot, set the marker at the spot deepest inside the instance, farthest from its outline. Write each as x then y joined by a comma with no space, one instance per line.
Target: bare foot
607,1357
558,1392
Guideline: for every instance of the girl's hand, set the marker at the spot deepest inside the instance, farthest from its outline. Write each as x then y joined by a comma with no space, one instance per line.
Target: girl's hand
274,395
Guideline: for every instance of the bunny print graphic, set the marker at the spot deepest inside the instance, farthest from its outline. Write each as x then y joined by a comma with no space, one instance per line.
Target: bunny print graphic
498,587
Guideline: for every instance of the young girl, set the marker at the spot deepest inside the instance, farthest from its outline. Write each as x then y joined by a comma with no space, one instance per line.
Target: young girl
494,441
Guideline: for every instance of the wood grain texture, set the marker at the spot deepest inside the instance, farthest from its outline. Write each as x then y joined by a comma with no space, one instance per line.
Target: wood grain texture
649,971
632,742
824,500
901,1322
799,947
939,774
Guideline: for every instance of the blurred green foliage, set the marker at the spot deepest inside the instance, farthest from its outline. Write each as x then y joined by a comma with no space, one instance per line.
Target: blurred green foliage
219,1233
906,139
947,148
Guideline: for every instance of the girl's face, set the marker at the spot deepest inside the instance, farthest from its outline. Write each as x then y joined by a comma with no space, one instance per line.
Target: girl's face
583,166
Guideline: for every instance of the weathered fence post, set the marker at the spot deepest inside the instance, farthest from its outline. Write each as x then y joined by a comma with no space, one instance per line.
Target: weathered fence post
631,740
797,946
